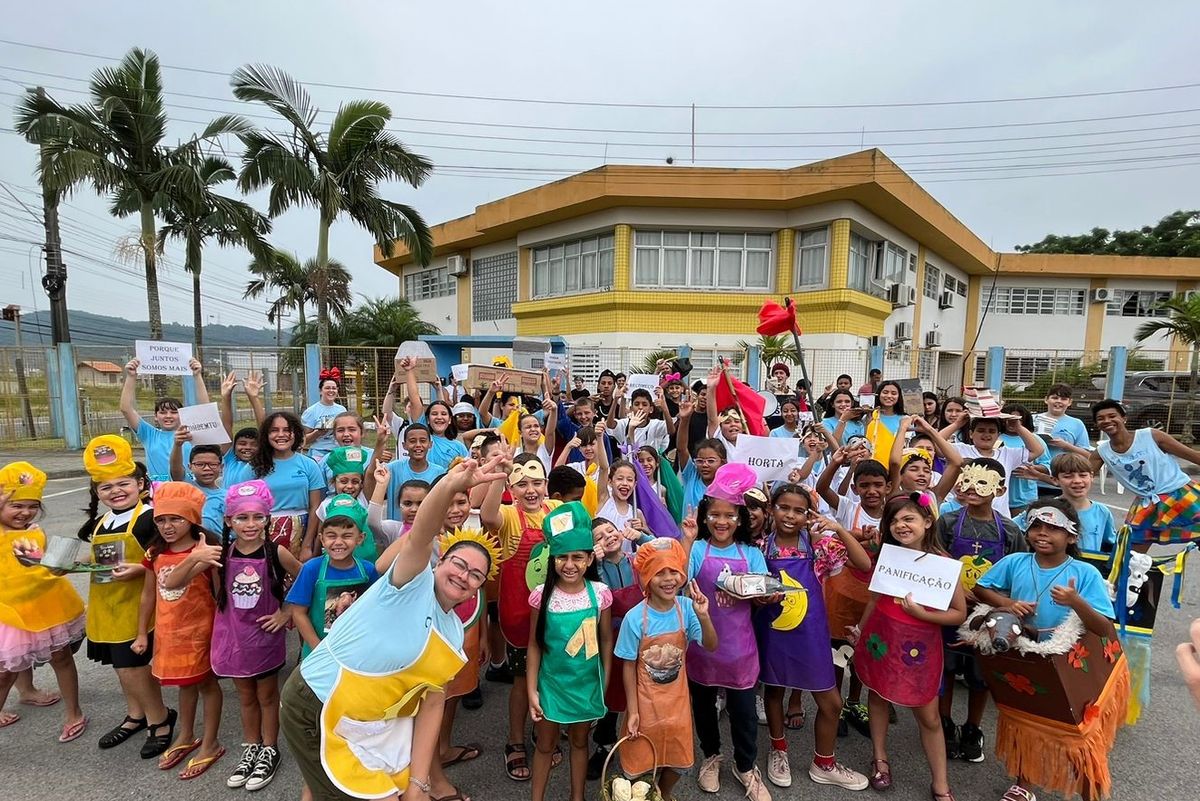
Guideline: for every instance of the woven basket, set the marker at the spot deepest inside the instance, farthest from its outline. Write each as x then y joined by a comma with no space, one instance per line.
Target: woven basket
606,780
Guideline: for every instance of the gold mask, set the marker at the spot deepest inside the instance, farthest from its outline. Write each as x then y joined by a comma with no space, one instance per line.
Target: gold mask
985,481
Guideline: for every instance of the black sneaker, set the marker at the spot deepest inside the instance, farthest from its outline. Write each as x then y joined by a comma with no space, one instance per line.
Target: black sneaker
971,739
856,715
244,767
473,699
499,673
950,732
596,763
264,768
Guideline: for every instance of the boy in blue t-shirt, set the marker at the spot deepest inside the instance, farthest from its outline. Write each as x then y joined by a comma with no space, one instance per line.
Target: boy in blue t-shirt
204,471
157,442
417,466
1097,529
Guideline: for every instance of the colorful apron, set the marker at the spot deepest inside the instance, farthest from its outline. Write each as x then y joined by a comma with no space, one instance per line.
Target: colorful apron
112,608
184,619
793,636
898,656
471,613
663,702
735,662
367,720
571,678
846,592
287,529
515,587
241,649
32,598
332,597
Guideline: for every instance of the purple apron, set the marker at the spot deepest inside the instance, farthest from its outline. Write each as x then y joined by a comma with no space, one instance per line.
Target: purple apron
241,649
977,556
793,636
735,662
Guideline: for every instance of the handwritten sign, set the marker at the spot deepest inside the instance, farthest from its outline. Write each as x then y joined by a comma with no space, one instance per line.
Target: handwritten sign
459,371
930,578
555,361
771,458
641,381
204,423
163,358
912,395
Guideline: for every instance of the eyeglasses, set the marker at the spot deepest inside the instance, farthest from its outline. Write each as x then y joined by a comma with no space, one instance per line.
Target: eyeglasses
206,465
706,462
475,577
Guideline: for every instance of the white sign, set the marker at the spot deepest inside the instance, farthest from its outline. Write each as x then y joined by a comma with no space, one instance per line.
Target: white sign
204,423
459,371
163,358
930,578
772,458
641,381
555,361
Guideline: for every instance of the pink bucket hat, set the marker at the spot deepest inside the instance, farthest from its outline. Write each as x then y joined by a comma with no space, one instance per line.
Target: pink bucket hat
249,496
731,483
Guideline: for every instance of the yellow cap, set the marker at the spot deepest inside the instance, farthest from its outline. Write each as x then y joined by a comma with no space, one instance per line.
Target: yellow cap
108,457
21,481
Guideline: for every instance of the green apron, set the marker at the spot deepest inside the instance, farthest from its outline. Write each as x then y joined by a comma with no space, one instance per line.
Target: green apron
324,609
571,677
366,549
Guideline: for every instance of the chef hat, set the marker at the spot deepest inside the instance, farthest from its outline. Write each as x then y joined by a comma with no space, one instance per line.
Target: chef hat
657,555
249,496
21,481
108,457
731,482
180,499
347,506
347,459
568,528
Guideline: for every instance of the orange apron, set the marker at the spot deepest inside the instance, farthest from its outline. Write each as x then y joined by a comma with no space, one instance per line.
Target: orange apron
664,705
184,623
471,613
846,592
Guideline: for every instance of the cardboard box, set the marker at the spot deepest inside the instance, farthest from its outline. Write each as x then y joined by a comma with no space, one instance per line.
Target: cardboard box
525,382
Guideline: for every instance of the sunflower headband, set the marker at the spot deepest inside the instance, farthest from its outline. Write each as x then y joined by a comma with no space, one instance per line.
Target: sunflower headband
478,538
533,470
915,453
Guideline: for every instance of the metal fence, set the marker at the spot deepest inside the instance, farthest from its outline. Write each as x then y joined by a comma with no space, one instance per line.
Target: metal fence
26,400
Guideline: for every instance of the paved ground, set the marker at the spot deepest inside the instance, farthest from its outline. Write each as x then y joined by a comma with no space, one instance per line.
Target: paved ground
1155,759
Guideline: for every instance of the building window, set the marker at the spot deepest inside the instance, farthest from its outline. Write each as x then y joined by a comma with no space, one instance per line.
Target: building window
1136,303
427,284
862,258
566,268
956,286
891,264
812,259
702,260
1036,300
493,287
933,281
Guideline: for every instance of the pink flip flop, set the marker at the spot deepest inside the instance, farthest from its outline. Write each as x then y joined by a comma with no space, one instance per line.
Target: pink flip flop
47,699
73,731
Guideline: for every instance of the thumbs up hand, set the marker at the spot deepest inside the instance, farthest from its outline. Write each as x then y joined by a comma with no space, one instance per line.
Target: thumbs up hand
1066,596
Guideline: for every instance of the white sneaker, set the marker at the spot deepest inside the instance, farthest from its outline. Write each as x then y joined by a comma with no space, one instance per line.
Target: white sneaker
709,777
838,775
752,781
779,771
761,709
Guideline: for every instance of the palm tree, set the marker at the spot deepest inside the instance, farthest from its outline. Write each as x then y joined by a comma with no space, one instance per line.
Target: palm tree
336,172
1182,321
299,284
114,142
773,349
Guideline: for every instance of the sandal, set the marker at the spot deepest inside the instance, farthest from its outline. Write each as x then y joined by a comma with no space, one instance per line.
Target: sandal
121,733
465,754
455,796
936,796
8,718
794,720
175,754
514,761
158,743
880,779
197,767
557,757
73,731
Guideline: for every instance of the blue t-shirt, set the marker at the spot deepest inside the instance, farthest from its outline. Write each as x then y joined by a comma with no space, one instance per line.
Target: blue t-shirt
1022,491
290,481
1099,531
301,593
616,575
212,516
234,470
442,451
853,428
755,560
630,638
1067,428
321,416
401,471
157,444
693,486
783,433
1019,577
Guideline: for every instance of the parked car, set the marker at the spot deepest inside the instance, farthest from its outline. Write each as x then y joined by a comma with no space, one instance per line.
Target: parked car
1153,398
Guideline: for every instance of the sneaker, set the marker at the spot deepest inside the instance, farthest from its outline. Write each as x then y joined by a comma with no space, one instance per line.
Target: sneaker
839,775
709,776
971,740
244,766
1018,793
951,733
779,771
596,763
264,768
473,700
761,709
752,781
499,673
857,717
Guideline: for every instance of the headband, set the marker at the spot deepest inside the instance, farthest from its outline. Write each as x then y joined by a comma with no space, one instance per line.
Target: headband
730,414
477,538
915,453
331,372
534,470
669,377
1051,515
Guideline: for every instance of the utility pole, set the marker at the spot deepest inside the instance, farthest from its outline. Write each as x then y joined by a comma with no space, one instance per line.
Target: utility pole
12,314
55,279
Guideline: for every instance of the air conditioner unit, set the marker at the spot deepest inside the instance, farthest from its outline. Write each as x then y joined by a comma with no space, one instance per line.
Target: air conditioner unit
877,342
903,332
946,300
933,339
1101,295
456,265
902,295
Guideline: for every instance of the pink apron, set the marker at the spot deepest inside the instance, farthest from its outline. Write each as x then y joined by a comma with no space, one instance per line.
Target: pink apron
735,662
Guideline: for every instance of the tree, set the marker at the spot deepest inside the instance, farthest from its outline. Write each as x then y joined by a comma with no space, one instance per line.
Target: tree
337,173
299,284
773,349
650,361
114,142
1182,321
1177,234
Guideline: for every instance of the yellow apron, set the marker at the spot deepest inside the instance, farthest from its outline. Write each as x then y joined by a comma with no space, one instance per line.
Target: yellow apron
33,598
367,720
112,609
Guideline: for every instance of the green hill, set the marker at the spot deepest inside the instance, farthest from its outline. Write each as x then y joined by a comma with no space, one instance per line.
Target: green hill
89,329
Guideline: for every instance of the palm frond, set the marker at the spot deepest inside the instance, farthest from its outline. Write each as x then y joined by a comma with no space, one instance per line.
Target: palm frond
279,92
356,124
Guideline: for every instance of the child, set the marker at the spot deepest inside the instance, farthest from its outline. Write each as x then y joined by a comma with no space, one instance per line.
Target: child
566,484
639,429
653,640
157,441
296,481
41,615
532,440
119,538
978,536
1047,585
1067,434
235,467
912,468
330,583
345,465
236,455
178,593
984,433
415,466
587,442
249,644
205,467
1097,529
723,524
849,416
571,650
616,498
696,469
758,505
898,652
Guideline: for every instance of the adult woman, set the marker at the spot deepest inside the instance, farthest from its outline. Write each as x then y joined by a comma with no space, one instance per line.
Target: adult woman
362,714
296,482
318,418
952,409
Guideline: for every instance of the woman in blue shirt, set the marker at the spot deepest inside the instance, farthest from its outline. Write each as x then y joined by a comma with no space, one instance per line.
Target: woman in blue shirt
318,420
296,482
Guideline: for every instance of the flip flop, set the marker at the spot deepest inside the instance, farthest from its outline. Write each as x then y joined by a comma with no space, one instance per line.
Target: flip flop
73,731
794,720
465,754
197,767
8,718
46,699
455,796
175,754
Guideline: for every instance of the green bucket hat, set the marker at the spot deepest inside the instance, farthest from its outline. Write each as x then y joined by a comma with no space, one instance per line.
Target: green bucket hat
347,459
347,506
568,528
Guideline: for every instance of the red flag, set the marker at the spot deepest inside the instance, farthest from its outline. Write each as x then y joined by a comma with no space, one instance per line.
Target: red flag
751,403
775,319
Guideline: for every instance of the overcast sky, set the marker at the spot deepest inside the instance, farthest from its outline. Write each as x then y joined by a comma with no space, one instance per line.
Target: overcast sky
1132,166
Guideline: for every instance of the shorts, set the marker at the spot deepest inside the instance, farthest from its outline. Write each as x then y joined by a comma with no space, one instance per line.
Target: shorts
517,659
957,661
300,721
120,654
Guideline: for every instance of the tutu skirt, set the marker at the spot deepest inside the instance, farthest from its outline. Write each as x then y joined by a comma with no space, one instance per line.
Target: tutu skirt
21,650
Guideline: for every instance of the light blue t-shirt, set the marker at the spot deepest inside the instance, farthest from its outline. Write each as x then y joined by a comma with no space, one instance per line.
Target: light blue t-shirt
402,471
853,428
693,486
1019,577
234,470
1022,491
442,451
755,560
290,481
321,416
1099,531
783,433
1067,428
157,444
630,637
212,515
383,632
1144,469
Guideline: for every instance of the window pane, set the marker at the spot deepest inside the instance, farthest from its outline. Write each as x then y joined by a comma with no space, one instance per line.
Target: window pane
606,269
729,269
758,241
572,272
540,283
572,248
588,279
556,277
812,267
541,254
675,238
606,242
648,238
674,267
702,268
758,269
732,240
556,252
817,237
647,267
707,239
589,245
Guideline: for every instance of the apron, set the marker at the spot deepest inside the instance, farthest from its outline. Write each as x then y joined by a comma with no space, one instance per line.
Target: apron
571,678
32,598
735,662
979,555
367,720
846,592
793,636
287,529
112,608
241,649
514,592
327,601
898,656
184,619
663,703
471,614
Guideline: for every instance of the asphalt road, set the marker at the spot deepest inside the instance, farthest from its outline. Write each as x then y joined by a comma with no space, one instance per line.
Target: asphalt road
1154,759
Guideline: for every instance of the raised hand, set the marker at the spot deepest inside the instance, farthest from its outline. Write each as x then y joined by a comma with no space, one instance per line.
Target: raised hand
699,599
206,554
686,405
131,367
548,405
228,383
406,363
196,367
182,435
253,384
382,474
688,526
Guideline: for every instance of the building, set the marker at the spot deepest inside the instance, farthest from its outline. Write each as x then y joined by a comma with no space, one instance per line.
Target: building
99,373
622,260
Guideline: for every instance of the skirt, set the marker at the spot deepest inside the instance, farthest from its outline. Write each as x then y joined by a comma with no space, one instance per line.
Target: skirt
120,654
1173,517
899,658
21,650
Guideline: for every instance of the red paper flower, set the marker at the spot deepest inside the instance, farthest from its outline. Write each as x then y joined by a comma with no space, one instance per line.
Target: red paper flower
1077,658
1090,713
1112,649
1021,684
774,319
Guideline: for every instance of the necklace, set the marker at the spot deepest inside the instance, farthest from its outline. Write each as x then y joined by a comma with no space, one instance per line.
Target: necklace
1050,583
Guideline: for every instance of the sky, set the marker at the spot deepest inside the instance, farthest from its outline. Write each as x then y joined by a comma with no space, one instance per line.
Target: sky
942,87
